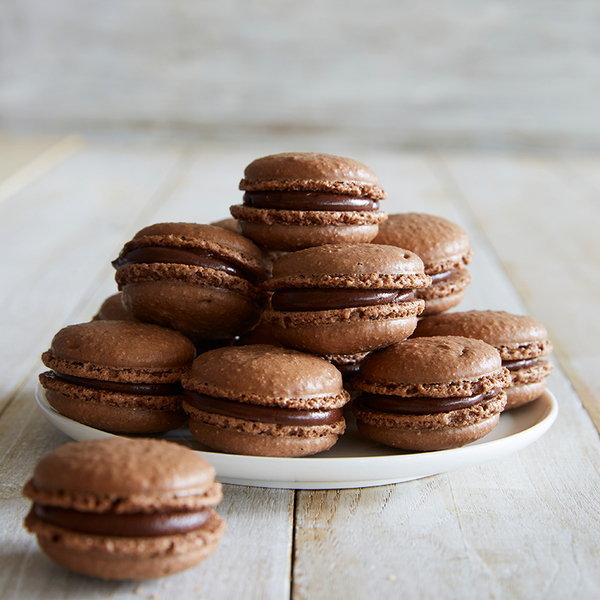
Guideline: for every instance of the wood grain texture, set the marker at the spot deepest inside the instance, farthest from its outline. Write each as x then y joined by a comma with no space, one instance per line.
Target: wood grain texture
524,526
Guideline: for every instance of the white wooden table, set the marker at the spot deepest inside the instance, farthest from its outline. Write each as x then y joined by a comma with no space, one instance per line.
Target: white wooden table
525,526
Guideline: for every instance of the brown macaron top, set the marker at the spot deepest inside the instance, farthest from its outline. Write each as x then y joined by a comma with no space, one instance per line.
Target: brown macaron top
441,244
349,266
123,475
112,309
515,336
122,351
440,366
312,172
211,240
267,375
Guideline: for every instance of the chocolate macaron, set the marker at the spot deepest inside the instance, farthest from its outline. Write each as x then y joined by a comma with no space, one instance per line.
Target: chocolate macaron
444,248
201,280
112,309
521,341
345,298
118,376
431,393
120,508
296,200
265,400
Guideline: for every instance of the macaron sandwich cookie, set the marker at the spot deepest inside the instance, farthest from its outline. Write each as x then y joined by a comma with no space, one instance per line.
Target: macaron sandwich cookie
201,280
120,508
118,376
345,298
435,393
444,248
265,400
521,341
296,200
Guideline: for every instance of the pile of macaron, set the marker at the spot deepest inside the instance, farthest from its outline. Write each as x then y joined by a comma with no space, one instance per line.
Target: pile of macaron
263,333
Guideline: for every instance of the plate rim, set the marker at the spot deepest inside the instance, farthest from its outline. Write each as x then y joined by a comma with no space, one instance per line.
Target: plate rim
471,454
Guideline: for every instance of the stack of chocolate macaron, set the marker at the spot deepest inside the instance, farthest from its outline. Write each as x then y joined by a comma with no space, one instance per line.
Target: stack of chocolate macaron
260,332
255,329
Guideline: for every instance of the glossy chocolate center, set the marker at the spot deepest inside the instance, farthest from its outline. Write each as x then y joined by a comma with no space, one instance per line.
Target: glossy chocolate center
147,389
181,256
334,298
308,201
420,405
263,414
124,525
437,277
515,365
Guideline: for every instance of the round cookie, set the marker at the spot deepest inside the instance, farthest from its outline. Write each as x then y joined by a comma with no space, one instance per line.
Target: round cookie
444,248
201,280
121,508
432,393
112,309
521,341
118,376
297,200
265,400
345,299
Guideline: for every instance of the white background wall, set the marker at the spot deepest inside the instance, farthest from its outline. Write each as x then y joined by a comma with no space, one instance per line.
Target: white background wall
450,73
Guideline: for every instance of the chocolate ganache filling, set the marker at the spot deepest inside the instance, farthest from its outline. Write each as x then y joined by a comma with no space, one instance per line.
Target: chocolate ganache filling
334,298
124,525
515,365
263,414
147,389
309,201
182,256
420,405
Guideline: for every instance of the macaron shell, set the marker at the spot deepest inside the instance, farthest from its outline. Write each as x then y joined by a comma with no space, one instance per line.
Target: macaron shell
432,360
436,431
117,413
112,309
122,345
127,558
238,442
347,259
264,374
520,394
120,467
440,243
429,440
345,331
498,328
200,312
222,241
311,171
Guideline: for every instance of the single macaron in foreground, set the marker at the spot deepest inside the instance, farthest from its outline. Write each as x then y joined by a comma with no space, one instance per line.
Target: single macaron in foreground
296,200
265,400
118,376
521,341
345,298
121,508
444,248
434,393
201,280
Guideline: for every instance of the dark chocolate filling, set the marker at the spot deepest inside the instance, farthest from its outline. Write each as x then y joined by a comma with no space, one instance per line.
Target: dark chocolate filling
515,365
263,414
180,256
420,405
333,298
147,389
309,201
124,525
437,277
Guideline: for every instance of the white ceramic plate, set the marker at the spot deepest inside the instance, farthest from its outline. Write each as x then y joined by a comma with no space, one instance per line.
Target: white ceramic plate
354,461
